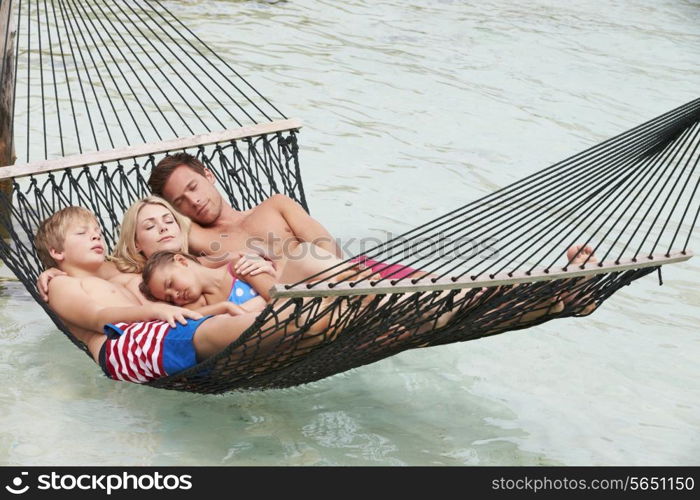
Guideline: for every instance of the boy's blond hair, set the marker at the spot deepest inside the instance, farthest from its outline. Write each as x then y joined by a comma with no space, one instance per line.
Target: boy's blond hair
52,232
126,257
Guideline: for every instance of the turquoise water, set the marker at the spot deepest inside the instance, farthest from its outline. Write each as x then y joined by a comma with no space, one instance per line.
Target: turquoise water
411,110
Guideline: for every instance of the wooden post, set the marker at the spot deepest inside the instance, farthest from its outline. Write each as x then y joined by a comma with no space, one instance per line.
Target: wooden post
7,55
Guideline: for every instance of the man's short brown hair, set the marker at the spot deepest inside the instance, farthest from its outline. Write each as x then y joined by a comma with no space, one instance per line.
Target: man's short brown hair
52,232
155,261
162,172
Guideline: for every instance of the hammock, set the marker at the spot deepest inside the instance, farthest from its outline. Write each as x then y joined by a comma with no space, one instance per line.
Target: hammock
143,85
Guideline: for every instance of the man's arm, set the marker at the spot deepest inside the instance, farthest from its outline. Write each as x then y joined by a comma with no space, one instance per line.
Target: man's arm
305,227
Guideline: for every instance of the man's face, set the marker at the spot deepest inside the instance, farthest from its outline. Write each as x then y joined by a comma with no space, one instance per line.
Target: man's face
83,245
194,195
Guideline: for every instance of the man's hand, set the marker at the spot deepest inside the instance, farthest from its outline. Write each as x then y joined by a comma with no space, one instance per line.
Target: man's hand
253,264
172,314
42,282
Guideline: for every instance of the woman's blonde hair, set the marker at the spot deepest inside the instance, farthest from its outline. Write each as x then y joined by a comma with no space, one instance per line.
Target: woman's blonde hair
126,257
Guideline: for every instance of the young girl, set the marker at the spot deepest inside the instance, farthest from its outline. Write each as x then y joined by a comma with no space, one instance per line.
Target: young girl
178,278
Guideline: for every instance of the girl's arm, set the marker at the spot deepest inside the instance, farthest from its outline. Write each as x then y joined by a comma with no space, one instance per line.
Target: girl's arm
257,272
256,304
221,308
252,264
262,283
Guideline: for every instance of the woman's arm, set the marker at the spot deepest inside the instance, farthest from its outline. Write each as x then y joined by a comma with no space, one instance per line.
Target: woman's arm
42,282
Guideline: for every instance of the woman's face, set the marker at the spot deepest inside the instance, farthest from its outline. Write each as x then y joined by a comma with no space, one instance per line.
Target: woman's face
156,230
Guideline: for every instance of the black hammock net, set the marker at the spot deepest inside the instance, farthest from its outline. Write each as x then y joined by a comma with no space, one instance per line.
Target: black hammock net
353,317
499,263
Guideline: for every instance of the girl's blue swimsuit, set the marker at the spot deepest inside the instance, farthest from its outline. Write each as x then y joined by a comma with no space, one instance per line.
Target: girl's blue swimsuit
241,291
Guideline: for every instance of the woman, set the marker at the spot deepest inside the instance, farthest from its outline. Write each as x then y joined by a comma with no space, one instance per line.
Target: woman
149,225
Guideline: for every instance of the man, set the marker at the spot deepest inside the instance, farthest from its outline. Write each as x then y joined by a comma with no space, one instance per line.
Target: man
274,228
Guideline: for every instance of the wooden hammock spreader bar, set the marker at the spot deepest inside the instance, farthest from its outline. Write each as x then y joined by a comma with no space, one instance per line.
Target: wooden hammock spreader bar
426,284
100,157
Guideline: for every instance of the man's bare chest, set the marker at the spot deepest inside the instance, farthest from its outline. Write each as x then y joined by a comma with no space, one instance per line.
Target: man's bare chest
260,231
256,229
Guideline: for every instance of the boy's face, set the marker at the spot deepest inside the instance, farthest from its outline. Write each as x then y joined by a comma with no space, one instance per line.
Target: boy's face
83,246
176,283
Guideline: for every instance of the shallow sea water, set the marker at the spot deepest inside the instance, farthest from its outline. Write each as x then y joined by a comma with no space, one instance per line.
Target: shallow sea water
412,109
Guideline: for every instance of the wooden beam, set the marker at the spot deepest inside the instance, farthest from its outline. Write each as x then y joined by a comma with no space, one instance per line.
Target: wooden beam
426,284
100,157
7,87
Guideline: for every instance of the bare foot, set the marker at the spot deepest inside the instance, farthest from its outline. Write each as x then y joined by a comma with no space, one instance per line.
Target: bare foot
474,297
577,256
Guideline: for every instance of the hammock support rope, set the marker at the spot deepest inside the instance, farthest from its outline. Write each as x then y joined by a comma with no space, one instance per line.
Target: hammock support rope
142,85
